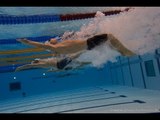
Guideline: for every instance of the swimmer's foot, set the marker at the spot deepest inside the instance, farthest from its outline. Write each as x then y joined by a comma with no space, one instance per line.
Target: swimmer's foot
127,53
17,69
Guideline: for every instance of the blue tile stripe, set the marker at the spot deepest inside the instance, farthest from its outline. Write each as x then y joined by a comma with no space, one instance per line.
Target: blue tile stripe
8,19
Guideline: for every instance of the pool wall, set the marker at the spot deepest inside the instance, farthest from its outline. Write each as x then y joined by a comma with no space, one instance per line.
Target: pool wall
138,71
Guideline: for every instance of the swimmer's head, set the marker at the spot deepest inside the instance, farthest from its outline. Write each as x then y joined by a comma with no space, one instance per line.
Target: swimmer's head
53,41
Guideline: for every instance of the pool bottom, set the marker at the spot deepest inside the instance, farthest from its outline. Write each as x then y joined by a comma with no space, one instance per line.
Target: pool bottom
96,99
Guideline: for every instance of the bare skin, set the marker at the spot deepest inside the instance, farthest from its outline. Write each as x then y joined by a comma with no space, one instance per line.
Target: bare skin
117,45
73,46
65,47
46,63
81,64
52,41
39,64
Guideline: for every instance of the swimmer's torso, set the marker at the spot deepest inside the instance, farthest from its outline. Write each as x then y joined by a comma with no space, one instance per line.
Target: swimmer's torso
70,46
50,62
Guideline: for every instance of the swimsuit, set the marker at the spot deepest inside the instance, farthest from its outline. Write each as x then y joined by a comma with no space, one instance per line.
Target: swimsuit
64,62
96,40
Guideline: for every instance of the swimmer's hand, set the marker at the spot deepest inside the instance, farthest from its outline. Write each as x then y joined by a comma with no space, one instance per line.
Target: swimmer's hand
27,66
23,40
18,69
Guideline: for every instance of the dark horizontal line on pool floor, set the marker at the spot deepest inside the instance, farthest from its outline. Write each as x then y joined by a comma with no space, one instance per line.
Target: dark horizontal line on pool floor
43,102
61,96
105,105
105,98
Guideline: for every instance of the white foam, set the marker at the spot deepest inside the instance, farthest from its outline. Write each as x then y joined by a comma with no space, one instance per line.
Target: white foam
99,56
138,30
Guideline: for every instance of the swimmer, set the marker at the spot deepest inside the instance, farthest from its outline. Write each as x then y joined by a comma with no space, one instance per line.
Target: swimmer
53,41
73,46
71,67
58,64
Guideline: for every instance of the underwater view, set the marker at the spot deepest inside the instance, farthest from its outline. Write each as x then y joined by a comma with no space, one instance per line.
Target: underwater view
79,59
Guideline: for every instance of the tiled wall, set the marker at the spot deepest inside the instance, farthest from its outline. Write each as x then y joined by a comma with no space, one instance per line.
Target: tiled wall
137,71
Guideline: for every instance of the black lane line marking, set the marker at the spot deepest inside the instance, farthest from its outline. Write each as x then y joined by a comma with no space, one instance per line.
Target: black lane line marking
105,90
101,88
98,106
70,103
54,101
139,101
80,93
113,92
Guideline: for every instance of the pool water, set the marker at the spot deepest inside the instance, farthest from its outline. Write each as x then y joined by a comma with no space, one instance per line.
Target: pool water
126,85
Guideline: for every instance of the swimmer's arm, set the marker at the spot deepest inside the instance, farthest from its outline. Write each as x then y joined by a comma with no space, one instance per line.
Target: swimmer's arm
24,67
36,44
28,66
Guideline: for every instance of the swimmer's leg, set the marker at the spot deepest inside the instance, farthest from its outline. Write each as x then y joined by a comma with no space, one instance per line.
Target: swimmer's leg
36,44
116,44
75,55
62,63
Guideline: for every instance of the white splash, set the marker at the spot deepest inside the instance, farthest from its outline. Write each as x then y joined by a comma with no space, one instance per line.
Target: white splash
138,29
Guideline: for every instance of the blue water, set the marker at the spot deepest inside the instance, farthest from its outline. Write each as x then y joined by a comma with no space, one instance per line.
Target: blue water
124,82
39,81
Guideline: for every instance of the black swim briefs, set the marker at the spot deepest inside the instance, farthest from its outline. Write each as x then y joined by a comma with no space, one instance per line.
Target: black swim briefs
64,62
96,40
